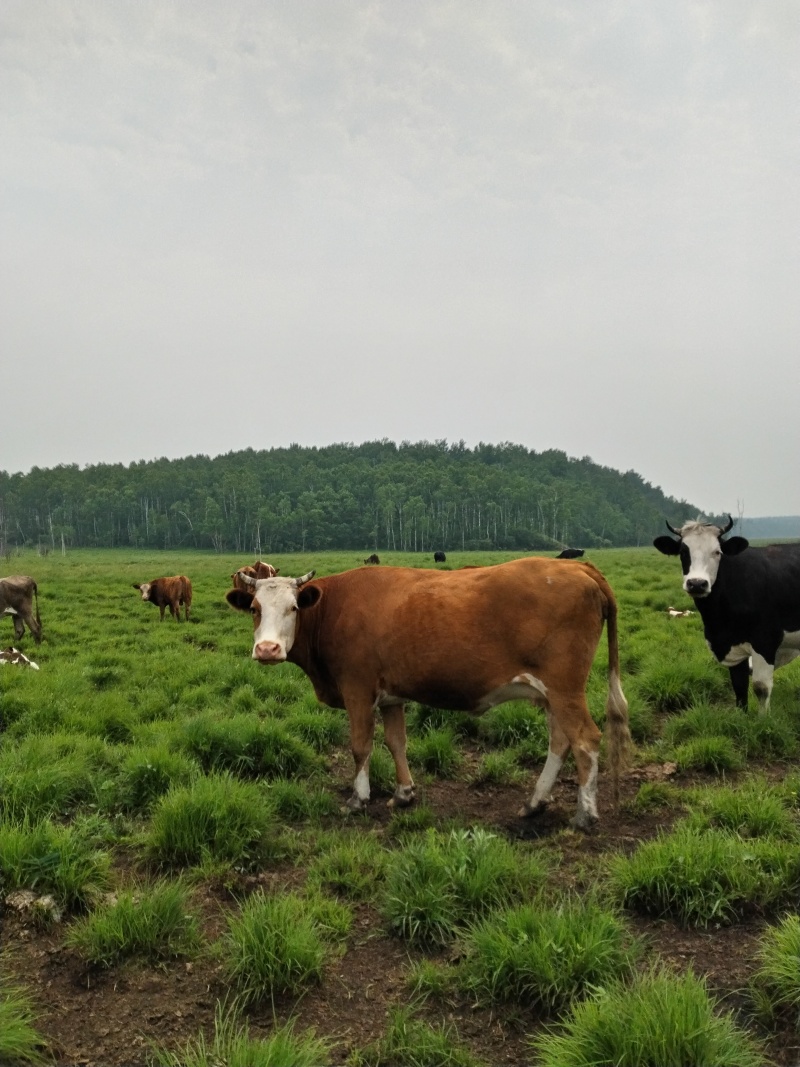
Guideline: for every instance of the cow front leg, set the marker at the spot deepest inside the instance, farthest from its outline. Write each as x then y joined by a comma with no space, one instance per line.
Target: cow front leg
394,731
740,680
362,732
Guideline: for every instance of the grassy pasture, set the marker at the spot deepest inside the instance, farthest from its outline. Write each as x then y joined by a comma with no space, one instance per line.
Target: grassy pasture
175,812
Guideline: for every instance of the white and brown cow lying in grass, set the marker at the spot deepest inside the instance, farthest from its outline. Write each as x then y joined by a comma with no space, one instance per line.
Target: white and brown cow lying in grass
13,657
372,638
168,593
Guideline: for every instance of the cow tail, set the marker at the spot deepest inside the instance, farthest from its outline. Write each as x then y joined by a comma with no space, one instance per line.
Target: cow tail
38,617
618,734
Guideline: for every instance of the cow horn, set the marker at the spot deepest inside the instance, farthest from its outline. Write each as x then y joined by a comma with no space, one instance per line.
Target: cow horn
673,530
305,578
725,529
245,578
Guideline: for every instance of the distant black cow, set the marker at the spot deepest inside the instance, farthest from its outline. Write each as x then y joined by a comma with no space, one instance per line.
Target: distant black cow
439,557
374,558
570,553
17,596
748,599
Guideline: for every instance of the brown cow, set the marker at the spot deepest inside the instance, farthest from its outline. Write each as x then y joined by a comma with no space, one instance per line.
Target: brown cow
463,640
168,593
17,596
374,558
258,570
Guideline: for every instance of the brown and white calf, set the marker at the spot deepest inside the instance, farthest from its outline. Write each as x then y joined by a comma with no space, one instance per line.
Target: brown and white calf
258,570
14,657
168,593
18,594
372,638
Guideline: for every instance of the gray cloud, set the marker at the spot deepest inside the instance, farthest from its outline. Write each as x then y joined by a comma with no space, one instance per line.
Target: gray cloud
570,226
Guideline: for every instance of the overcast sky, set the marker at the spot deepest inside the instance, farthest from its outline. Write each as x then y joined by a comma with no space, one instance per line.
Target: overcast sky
571,225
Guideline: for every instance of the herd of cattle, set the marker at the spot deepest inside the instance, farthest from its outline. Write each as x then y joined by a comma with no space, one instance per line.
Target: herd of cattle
465,640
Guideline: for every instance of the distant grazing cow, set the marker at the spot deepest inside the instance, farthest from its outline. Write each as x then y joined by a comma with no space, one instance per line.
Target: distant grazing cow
439,557
748,599
258,570
18,593
571,553
15,657
460,640
374,558
168,593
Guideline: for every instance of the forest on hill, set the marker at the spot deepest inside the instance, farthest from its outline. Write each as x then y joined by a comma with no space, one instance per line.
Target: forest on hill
408,497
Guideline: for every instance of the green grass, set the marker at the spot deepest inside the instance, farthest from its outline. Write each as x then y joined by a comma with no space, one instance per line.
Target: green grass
278,944
51,859
350,865
439,883
232,1046
659,1019
153,922
544,957
20,1042
776,982
703,876
413,1042
217,817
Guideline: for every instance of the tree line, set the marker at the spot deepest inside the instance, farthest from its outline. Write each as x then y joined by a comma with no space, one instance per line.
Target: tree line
411,497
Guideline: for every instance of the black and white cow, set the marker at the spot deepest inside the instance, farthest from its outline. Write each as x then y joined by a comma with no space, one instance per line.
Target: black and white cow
748,599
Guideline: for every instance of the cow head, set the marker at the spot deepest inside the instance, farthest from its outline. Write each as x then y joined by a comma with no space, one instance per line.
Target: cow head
144,589
274,604
700,547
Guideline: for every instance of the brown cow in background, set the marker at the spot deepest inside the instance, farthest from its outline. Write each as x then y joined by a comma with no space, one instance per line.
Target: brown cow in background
17,596
258,570
168,593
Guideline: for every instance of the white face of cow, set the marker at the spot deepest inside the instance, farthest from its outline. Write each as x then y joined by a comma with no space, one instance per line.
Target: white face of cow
700,547
274,609
144,589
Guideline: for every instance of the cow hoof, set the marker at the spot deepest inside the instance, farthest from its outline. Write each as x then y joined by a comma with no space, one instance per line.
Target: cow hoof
355,804
584,821
403,797
528,811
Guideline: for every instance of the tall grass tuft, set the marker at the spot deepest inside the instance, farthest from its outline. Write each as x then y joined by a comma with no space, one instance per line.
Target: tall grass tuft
217,817
352,866
544,957
776,983
702,876
233,1046
410,1042
277,944
659,1019
153,922
439,883
49,858
19,1041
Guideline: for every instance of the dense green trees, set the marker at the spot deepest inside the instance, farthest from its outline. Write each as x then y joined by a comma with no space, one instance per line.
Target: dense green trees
407,497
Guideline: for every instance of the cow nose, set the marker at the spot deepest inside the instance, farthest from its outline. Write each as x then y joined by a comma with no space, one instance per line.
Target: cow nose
268,652
697,586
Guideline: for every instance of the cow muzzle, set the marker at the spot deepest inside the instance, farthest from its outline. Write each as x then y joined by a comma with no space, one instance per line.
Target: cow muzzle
269,652
698,587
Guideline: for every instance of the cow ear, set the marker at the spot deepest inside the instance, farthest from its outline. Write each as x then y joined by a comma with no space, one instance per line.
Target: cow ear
308,596
239,599
135,586
734,545
668,545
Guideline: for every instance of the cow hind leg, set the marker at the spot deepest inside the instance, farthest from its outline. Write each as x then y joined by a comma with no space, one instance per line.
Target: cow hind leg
362,732
394,731
558,748
763,674
19,627
571,727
